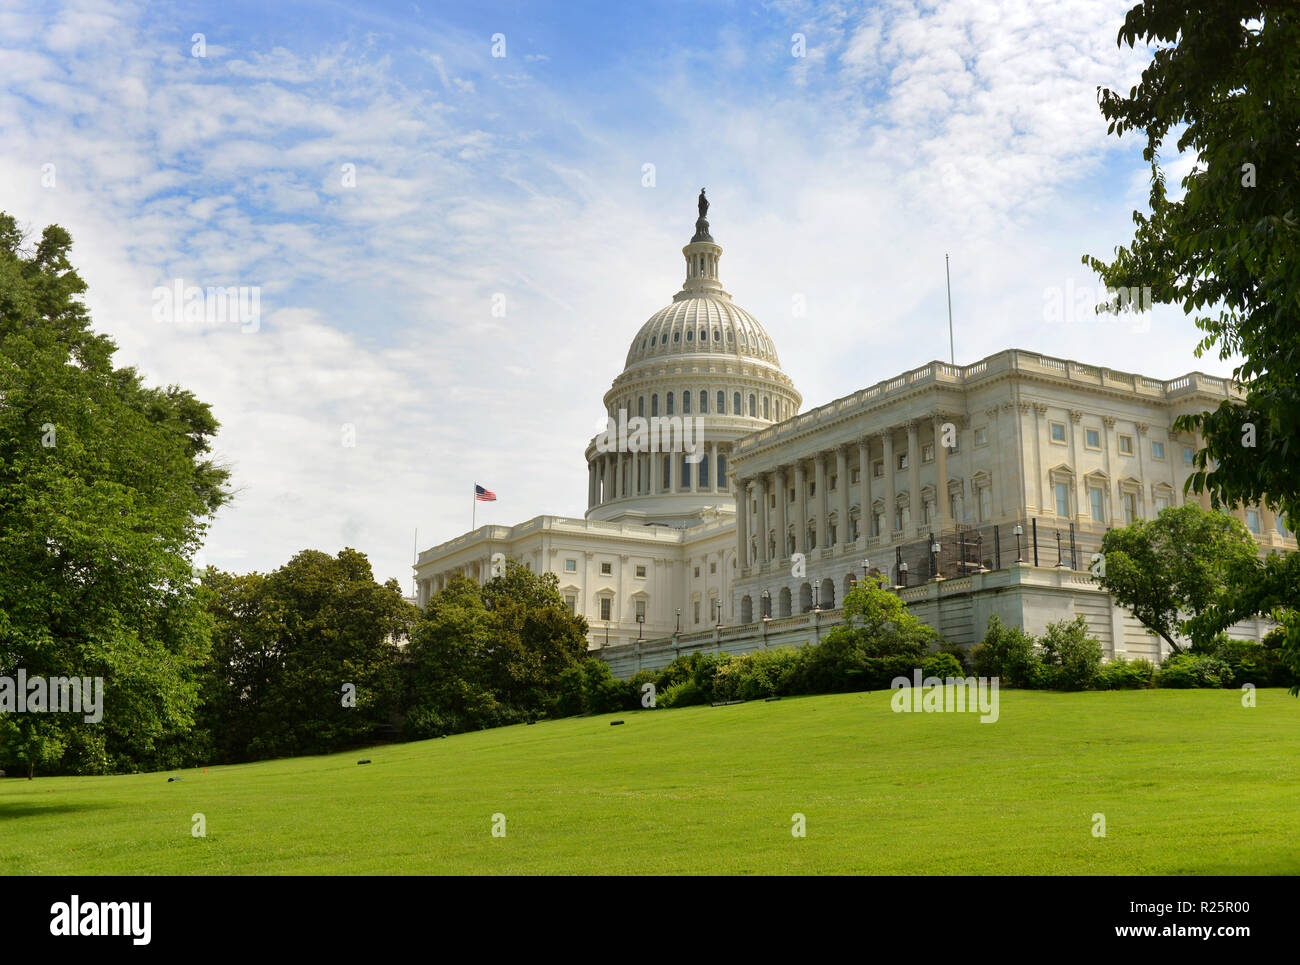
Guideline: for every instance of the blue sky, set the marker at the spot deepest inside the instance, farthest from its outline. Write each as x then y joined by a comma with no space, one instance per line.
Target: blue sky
840,177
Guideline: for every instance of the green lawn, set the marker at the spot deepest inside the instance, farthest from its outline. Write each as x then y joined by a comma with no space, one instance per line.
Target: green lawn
1190,782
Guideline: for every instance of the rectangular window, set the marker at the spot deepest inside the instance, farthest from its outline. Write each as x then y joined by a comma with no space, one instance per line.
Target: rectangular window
952,508
713,566
640,604
571,566
855,477
606,569
982,435
1162,502
1157,450
834,481
902,460
927,452
605,603
1092,438
1126,445
686,473
1058,432
1062,499
572,603
1189,456
704,472
1252,520
771,500
878,468
640,572
1095,497
986,504
697,611
722,469
812,490
1130,508
697,572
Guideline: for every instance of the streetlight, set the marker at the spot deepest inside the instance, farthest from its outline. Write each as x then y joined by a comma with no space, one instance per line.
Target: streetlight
640,625
934,556
718,604
817,591
607,633
902,572
1059,561
679,620
1019,531
767,605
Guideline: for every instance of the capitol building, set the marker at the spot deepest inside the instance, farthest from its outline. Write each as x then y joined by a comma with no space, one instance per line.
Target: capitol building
720,516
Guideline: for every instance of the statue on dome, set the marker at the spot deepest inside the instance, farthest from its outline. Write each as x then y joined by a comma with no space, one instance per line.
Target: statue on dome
704,204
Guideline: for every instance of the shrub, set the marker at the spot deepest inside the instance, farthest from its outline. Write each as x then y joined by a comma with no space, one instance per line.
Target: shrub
1009,654
1123,674
942,665
1185,670
960,654
1073,658
682,694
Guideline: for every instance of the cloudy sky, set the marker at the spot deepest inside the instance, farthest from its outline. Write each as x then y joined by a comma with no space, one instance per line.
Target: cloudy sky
382,181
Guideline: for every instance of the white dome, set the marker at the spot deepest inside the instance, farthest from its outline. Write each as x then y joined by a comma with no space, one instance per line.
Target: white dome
702,324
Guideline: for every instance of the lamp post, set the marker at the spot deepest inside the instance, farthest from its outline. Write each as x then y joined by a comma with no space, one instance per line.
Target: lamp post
679,620
817,592
902,572
934,556
1059,561
1019,531
607,633
767,606
640,625
718,604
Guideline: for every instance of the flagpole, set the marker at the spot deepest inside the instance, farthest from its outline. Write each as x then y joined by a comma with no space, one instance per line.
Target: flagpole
473,513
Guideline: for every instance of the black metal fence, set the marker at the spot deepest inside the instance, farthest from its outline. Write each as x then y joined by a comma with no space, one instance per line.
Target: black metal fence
992,546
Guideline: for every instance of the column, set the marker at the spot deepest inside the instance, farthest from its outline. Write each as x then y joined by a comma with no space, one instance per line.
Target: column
819,468
891,484
591,484
656,470
742,525
782,497
864,488
940,476
913,473
842,486
801,501
760,492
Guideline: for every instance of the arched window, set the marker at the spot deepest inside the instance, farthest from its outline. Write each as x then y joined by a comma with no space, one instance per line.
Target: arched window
654,404
690,336
670,403
722,403
765,404
677,336
722,470
752,406
735,403
640,406
686,403
664,340
704,402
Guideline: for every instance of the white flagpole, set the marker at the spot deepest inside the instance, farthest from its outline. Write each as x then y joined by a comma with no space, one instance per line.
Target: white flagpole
473,513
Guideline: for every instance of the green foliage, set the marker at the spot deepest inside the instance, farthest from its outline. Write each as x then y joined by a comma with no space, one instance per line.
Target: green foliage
1008,653
106,485
304,659
684,693
941,665
503,652
1225,76
1183,670
1071,656
1124,674
1181,561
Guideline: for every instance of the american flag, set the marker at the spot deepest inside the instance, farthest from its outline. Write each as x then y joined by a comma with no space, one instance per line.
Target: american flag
484,495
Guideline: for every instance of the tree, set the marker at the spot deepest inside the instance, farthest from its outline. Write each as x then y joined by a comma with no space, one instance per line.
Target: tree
1227,72
481,656
304,658
1178,563
106,487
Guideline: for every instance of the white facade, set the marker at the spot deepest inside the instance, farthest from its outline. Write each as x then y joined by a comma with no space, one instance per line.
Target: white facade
962,453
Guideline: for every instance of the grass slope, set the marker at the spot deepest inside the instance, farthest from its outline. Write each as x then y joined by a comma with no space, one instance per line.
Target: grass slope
1190,782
